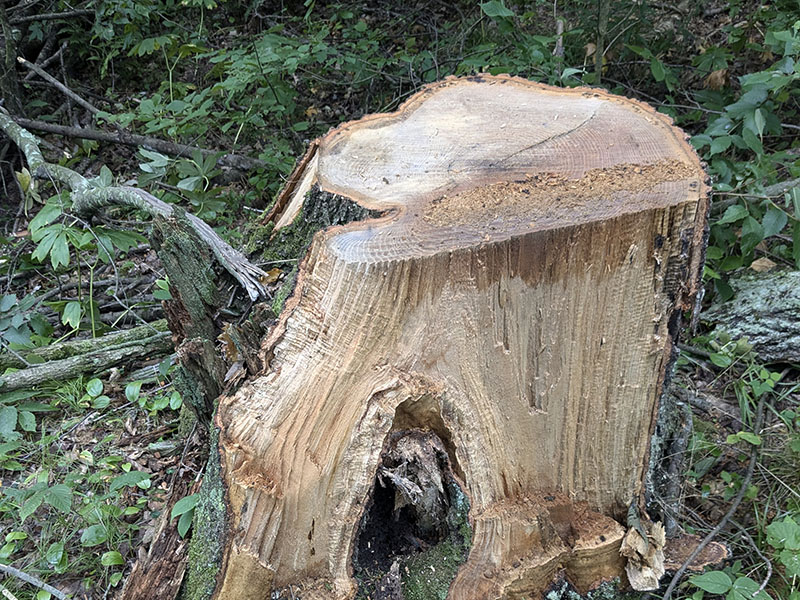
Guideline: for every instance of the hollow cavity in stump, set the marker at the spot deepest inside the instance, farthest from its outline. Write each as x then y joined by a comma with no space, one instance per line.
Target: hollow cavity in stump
414,533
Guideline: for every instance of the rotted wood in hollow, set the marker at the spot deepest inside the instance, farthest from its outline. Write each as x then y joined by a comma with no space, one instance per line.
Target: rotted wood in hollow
518,298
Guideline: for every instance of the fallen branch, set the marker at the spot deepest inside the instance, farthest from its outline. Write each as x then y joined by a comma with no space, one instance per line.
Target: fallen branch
33,581
77,347
67,368
52,16
88,197
233,161
58,85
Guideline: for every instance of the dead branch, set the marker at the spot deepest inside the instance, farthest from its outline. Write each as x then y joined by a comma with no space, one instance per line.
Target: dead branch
67,368
52,16
58,85
78,347
234,161
33,581
88,197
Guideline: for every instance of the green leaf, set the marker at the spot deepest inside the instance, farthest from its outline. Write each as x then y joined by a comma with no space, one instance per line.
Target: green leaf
752,234
49,213
175,400
721,360
59,253
657,69
796,244
750,438
713,582
26,420
72,314
59,497
132,391
130,479
164,365
8,420
734,213
45,242
114,579
185,523
7,550
94,535
18,335
745,588
190,183
54,553
774,221
16,535
43,595
752,141
784,534
7,301
31,504
106,177
496,8
101,402
185,504
759,121
791,561
720,144
111,558
94,387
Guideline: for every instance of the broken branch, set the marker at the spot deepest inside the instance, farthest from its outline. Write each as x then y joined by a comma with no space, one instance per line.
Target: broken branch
88,197
58,85
234,161
33,581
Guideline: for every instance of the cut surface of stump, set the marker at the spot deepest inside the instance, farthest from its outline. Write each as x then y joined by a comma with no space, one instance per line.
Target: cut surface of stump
513,307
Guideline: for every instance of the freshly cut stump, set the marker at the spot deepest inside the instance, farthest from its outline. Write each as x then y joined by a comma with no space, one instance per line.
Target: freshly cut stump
516,302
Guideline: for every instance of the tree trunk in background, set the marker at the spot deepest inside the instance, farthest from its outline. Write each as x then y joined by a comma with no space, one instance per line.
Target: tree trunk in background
476,371
9,82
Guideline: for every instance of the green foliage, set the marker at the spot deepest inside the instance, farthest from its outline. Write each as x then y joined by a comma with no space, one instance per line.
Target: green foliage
183,510
783,541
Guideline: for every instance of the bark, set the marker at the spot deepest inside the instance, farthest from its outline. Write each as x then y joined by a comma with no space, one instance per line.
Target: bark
233,161
77,347
764,310
9,81
517,301
156,345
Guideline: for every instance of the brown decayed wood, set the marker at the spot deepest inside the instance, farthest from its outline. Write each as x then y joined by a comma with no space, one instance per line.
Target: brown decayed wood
529,331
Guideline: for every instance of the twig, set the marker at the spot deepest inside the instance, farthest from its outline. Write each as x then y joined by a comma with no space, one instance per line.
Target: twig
234,161
735,505
48,61
33,581
760,555
53,16
57,84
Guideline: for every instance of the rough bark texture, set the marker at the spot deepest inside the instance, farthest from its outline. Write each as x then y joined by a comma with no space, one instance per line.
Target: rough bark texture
518,298
156,345
764,310
9,82
85,346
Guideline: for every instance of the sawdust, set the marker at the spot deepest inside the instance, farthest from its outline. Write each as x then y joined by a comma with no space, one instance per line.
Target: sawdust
537,195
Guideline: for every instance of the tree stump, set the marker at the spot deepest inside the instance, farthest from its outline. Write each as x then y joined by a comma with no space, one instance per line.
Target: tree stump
491,348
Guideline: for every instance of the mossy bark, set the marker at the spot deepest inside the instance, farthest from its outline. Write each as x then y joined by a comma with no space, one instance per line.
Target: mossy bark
764,310
209,530
77,347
